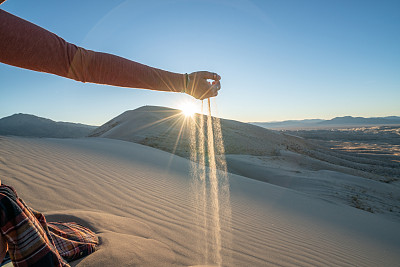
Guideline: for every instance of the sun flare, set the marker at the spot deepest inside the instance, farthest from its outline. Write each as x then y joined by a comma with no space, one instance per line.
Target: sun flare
188,109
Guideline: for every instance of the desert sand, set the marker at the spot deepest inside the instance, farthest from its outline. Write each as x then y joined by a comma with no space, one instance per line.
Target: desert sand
353,179
160,127
139,201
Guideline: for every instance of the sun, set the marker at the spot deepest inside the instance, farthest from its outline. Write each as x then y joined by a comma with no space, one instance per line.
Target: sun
188,109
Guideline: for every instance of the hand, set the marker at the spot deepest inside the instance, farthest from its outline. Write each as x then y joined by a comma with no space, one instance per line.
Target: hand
200,88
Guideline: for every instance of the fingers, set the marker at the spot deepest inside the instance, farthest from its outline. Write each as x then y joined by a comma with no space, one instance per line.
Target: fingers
208,96
212,90
209,75
200,87
216,85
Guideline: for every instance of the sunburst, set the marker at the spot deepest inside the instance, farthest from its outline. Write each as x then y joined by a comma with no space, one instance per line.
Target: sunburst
188,109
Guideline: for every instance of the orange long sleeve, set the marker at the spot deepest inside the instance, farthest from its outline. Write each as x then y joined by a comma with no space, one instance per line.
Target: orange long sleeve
26,45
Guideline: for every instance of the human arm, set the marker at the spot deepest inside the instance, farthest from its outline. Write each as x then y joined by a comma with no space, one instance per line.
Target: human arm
26,45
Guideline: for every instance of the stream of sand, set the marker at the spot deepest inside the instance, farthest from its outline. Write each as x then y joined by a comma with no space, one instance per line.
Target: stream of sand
210,189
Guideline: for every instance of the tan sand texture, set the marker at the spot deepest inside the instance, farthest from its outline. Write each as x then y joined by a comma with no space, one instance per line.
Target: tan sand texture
159,127
138,200
268,156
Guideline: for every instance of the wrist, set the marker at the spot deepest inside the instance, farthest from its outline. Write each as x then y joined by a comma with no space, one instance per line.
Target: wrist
186,81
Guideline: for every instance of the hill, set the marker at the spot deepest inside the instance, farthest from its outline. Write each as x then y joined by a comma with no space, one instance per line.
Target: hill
362,121
34,126
346,121
168,129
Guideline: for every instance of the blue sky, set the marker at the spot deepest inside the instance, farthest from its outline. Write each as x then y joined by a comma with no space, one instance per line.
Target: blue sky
278,59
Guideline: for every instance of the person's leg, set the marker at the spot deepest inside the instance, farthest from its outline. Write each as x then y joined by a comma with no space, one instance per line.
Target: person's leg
3,248
29,244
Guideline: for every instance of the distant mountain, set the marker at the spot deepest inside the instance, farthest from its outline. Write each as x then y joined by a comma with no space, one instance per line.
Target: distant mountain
346,121
33,126
363,121
289,123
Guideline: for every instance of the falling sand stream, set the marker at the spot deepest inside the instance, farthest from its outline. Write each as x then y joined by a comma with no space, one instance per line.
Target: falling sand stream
210,189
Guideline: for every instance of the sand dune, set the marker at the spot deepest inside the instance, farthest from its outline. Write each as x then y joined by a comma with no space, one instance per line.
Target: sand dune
254,152
159,127
167,129
138,200
34,126
320,179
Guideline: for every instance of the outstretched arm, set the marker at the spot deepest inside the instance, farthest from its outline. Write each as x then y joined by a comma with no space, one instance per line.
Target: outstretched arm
26,45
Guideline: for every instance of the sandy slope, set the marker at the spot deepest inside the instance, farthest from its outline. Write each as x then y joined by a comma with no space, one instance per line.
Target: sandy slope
320,179
160,127
138,200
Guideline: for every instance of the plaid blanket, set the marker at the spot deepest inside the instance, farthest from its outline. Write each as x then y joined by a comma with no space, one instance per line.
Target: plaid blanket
34,242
